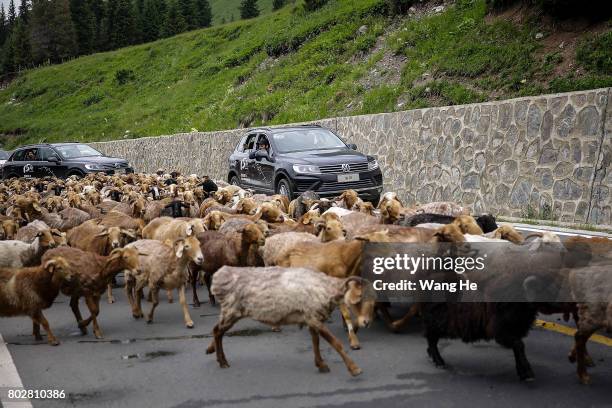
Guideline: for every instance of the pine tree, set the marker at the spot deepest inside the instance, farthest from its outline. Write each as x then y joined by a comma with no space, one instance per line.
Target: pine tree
12,15
154,14
140,23
8,56
120,24
248,9
24,11
22,57
3,28
203,13
174,24
84,25
52,33
187,10
98,10
311,5
278,4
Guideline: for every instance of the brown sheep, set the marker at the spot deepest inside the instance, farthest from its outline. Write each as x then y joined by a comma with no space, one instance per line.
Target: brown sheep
28,291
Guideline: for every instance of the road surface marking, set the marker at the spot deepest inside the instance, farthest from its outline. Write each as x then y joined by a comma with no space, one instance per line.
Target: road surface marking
9,379
570,331
569,234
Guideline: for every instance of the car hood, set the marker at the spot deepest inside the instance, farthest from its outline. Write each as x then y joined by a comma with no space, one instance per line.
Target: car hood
323,157
98,160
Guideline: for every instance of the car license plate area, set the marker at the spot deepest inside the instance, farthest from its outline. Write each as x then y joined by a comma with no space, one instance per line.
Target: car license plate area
344,178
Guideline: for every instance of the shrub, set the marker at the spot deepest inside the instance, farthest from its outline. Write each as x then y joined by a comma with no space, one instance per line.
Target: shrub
123,76
311,5
399,6
93,99
595,53
278,4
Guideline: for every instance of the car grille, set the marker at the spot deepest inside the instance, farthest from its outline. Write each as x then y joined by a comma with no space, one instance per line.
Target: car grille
304,185
337,168
330,186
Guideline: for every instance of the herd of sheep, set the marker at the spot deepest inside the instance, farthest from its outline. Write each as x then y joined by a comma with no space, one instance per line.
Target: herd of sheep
277,261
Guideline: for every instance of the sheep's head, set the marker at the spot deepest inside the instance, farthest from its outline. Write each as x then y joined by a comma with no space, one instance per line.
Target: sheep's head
270,212
365,207
223,196
189,247
448,233
323,205
487,223
391,211
59,237
310,217
59,268
246,205
350,198
360,297
253,235
214,220
281,201
138,207
332,230
9,229
467,224
508,233
46,239
127,258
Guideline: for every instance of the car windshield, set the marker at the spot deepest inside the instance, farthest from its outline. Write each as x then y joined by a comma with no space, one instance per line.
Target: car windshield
77,150
3,155
306,139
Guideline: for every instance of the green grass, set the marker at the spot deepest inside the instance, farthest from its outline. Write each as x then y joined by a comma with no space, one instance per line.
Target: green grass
226,11
282,67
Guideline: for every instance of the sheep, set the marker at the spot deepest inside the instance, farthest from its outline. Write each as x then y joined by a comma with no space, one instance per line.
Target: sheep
443,208
163,228
508,233
100,240
298,295
486,222
29,232
65,219
117,219
28,291
92,273
162,266
303,203
17,254
348,199
276,245
233,248
591,288
8,229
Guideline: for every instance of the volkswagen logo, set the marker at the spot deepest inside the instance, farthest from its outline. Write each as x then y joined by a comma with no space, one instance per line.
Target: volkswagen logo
346,168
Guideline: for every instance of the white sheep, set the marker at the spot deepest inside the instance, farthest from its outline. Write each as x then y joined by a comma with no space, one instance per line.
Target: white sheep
283,296
17,254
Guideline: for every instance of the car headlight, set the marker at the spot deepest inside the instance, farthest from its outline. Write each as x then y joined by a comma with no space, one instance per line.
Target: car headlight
372,165
306,168
93,167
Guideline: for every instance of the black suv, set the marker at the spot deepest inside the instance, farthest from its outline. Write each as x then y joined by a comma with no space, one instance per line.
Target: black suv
291,160
61,160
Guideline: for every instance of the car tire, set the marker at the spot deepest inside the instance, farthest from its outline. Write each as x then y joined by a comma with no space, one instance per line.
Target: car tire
77,173
283,187
375,201
234,180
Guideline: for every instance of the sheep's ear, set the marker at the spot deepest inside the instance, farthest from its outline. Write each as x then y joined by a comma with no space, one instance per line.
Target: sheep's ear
50,265
179,246
102,234
36,206
189,230
358,282
128,233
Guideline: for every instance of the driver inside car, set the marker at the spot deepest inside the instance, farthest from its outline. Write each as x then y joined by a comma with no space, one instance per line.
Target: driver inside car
261,146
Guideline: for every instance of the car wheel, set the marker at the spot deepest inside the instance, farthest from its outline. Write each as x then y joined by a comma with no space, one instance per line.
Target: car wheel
235,181
284,188
375,201
76,173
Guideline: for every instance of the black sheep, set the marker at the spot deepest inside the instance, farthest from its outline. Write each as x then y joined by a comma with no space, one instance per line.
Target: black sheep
174,209
208,186
486,222
506,323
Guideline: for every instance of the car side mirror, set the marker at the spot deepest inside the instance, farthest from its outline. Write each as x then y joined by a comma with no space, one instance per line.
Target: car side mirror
352,146
53,159
260,154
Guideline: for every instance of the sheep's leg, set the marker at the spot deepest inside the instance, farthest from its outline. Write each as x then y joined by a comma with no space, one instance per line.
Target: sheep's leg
337,345
183,302
581,337
170,296
523,368
217,343
400,323
319,362
109,294
383,308
36,330
434,353
208,282
572,355
74,305
194,286
138,303
39,318
129,291
154,292
346,316
93,303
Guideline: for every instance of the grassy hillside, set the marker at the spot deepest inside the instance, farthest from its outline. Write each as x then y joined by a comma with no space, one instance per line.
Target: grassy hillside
347,58
228,10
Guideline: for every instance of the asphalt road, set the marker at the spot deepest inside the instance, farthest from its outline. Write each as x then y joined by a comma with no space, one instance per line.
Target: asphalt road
164,365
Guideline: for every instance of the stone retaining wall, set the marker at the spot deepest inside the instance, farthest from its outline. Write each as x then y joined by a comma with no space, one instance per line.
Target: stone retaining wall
549,151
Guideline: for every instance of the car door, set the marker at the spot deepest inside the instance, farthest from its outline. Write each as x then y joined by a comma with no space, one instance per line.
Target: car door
245,162
14,167
46,168
262,171
29,162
